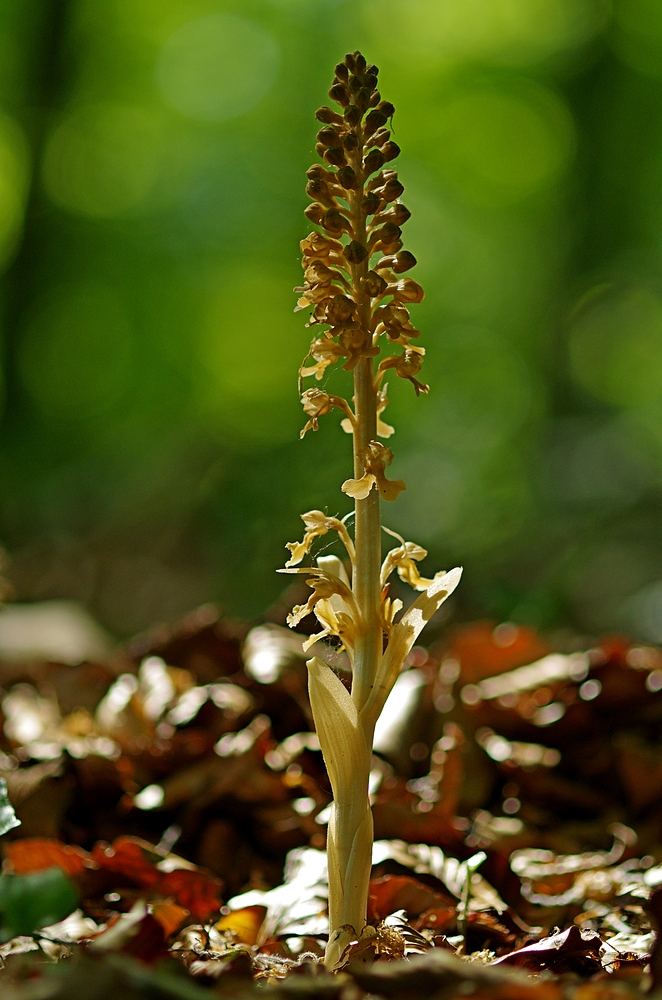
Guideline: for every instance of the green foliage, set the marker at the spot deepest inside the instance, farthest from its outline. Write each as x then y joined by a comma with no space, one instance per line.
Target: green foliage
28,902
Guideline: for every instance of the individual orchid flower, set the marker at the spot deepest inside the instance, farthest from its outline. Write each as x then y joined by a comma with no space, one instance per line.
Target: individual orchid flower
325,584
317,523
375,458
407,365
325,352
403,558
334,613
317,404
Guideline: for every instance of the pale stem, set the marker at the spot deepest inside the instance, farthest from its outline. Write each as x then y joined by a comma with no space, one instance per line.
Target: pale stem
350,832
349,857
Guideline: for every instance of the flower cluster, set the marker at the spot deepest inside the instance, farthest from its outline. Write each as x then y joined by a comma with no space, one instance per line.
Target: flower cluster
352,269
332,600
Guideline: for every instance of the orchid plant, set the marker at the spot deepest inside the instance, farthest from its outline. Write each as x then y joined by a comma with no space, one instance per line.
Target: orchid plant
353,261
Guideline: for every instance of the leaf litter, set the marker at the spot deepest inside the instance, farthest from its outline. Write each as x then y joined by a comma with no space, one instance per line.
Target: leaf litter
164,819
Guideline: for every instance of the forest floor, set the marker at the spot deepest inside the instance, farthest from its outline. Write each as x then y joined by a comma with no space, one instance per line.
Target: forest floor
173,804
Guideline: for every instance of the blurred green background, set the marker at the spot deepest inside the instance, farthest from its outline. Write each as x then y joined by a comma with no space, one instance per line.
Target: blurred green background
152,158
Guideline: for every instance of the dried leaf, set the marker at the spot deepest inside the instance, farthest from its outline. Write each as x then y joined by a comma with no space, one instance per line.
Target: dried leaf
36,853
244,924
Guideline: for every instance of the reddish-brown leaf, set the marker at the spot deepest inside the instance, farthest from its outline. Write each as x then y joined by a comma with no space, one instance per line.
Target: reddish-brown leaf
36,853
130,857
400,892
196,890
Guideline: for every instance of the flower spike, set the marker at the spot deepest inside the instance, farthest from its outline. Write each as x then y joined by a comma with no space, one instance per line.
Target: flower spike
358,292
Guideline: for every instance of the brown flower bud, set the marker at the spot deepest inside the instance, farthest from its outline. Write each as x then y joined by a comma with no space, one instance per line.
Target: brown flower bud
370,81
318,191
387,109
374,120
386,235
374,160
373,70
339,94
318,247
373,284
335,222
370,203
355,252
349,61
319,148
319,173
391,190
314,212
381,136
342,72
336,156
329,136
375,98
354,84
352,116
349,141
362,99
359,63
340,309
407,290
328,116
390,150
398,213
347,178
399,262
379,180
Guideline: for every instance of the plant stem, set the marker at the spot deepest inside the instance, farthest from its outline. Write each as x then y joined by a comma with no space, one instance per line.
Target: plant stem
351,832
366,582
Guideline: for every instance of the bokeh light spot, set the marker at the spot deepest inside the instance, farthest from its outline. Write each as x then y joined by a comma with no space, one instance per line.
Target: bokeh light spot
217,67
499,147
482,389
103,159
251,347
514,32
76,352
637,37
616,348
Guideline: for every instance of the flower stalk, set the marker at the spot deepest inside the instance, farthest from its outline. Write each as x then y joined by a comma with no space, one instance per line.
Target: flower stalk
352,283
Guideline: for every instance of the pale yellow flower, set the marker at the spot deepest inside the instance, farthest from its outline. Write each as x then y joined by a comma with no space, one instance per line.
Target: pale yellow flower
403,558
317,523
325,352
375,458
332,594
